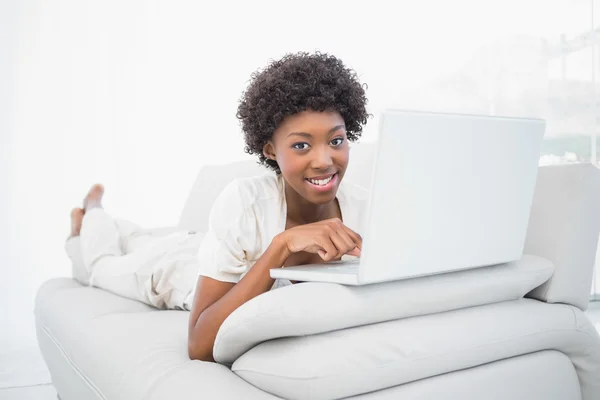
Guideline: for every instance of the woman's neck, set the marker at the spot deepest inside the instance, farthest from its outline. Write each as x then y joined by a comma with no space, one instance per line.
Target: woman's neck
301,211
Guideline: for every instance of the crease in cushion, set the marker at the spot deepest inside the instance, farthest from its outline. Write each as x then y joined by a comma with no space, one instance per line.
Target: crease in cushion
378,356
547,375
310,308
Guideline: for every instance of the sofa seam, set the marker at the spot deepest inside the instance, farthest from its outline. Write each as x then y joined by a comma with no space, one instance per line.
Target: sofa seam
69,360
578,326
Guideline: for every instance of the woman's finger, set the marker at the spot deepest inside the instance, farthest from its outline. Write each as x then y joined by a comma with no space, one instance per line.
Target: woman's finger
353,249
355,252
346,241
330,250
356,238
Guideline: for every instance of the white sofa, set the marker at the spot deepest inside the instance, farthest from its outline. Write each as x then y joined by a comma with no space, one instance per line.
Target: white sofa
513,331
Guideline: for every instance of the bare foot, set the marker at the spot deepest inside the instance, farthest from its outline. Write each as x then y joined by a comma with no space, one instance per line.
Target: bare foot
94,197
76,219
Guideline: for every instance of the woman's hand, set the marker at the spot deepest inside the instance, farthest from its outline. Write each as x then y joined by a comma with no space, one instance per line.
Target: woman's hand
330,239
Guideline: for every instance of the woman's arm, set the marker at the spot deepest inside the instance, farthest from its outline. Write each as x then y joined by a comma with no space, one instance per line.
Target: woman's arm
215,300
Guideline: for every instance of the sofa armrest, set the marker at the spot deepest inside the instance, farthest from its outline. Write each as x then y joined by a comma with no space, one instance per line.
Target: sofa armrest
563,227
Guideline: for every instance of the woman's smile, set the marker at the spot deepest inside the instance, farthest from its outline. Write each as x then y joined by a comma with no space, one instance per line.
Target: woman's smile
323,183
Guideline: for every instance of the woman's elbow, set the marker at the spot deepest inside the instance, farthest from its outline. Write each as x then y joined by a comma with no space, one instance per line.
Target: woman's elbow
197,351
198,347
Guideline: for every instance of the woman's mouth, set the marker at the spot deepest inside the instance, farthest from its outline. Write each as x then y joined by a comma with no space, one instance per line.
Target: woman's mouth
323,184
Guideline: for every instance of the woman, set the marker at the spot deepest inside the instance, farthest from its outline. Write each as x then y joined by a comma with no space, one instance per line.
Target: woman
298,116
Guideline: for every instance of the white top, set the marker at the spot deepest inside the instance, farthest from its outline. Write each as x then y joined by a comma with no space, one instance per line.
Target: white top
249,213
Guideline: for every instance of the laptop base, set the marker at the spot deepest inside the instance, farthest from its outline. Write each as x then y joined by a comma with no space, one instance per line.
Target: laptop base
343,272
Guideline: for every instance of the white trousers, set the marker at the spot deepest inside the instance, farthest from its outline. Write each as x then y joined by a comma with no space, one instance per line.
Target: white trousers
158,268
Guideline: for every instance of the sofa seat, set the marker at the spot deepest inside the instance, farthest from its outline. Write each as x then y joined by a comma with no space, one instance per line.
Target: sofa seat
116,348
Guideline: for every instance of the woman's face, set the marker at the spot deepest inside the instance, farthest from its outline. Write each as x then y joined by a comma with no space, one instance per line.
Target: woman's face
311,149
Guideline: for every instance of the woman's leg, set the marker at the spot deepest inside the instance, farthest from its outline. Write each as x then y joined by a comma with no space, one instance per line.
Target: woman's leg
156,272
73,248
100,241
160,274
99,234
97,246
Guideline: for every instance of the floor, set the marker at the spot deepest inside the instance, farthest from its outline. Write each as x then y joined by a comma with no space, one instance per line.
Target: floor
45,391
39,392
24,375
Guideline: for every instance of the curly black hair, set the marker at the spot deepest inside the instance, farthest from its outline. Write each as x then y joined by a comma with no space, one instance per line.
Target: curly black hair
296,83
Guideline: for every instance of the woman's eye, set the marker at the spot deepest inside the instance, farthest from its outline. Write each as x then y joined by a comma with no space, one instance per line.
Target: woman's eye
298,146
337,141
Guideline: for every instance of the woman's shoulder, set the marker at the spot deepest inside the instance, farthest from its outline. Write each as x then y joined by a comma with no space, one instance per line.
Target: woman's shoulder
242,203
242,193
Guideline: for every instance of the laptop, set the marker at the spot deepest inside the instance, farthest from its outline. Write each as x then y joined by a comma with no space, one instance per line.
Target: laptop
448,192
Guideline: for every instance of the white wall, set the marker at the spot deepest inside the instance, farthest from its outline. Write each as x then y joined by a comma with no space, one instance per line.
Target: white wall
13,280
140,94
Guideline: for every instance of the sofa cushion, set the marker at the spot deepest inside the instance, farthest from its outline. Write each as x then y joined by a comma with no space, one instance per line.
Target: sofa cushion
123,349
547,375
310,308
563,227
372,357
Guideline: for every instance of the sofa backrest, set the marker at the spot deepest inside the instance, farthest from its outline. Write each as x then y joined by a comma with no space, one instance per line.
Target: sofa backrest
563,227
212,179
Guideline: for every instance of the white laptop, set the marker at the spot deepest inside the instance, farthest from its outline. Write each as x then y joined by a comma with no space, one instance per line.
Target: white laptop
448,192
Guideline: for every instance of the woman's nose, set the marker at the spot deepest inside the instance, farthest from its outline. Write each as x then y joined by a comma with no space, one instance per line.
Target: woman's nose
322,159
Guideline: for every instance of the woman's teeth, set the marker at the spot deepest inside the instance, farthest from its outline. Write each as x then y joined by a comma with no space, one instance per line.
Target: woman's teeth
321,182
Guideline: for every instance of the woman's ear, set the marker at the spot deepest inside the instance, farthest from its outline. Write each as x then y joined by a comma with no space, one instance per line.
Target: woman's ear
269,151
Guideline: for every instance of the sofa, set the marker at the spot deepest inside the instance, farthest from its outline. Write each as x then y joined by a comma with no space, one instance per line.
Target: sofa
509,331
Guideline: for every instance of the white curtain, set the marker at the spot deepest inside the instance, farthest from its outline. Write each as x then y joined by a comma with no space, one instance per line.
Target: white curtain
139,95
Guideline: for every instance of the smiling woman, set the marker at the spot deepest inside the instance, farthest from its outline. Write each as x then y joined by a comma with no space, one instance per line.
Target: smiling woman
298,116
312,164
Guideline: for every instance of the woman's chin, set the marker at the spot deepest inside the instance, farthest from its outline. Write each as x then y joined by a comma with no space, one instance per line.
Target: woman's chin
320,198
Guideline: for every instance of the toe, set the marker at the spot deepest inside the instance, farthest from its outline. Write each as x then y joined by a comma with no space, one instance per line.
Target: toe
96,190
94,196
